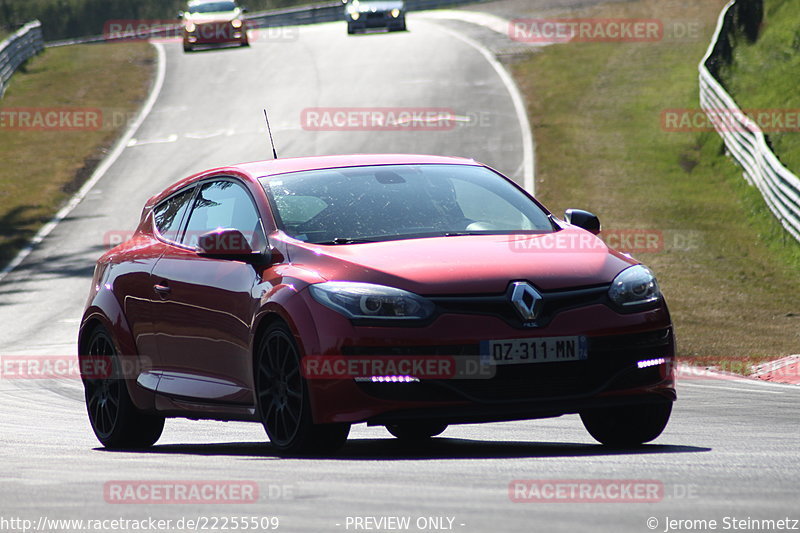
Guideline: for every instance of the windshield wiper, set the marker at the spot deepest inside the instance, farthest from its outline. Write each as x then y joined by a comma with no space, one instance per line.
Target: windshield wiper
346,240
465,233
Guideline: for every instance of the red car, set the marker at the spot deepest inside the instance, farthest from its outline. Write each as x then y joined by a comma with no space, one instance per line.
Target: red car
212,22
407,291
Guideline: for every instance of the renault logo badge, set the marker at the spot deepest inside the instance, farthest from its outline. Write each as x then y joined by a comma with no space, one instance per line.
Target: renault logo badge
526,300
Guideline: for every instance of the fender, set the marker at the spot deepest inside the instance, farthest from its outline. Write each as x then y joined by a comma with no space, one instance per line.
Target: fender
104,309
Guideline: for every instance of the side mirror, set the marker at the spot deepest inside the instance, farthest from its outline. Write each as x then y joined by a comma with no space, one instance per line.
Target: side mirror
583,219
229,244
180,14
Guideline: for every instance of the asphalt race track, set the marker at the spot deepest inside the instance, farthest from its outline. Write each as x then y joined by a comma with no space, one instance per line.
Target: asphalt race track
730,450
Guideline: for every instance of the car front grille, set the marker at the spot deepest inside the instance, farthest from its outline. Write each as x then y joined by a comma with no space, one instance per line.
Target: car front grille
499,305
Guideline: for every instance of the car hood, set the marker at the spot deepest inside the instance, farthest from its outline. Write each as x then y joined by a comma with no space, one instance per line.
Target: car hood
205,18
366,7
482,264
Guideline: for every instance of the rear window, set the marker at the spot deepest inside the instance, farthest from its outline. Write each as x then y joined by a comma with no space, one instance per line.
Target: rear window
169,214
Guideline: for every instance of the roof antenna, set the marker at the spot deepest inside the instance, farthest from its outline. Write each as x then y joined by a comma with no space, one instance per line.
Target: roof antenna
272,142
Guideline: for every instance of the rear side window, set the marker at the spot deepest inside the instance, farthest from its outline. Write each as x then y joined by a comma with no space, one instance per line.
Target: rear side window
169,214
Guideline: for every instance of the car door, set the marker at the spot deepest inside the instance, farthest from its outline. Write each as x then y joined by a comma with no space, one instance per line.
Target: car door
133,278
206,306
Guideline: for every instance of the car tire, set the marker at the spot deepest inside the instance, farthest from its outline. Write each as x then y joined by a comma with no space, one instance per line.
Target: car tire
350,30
629,425
282,398
116,422
416,431
187,48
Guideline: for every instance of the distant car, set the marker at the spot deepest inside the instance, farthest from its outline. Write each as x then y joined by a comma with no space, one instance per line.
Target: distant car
407,291
364,14
213,22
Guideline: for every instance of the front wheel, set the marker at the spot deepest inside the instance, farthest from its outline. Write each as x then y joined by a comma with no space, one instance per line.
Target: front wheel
629,425
116,422
416,431
283,400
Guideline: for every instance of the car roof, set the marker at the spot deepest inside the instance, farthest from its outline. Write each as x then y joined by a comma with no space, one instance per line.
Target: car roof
299,164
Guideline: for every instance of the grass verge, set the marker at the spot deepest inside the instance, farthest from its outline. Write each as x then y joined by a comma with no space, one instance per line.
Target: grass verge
763,75
728,270
42,167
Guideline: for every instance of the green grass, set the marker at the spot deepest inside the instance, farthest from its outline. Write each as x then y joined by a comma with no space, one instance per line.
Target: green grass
42,168
728,270
766,74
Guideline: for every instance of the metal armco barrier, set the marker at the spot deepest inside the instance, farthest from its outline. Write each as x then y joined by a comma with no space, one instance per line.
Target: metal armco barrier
743,138
17,49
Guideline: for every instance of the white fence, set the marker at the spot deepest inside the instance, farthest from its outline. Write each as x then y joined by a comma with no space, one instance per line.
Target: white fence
17,49
744,139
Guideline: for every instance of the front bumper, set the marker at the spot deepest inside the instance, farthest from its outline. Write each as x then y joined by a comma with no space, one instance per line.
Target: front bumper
610,374
378,19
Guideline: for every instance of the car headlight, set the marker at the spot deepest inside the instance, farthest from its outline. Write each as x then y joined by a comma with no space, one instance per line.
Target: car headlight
634,286
190,27
395,13
354,15
236,23
367,301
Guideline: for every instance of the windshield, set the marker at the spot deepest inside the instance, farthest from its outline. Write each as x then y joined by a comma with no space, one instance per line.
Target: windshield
337,206
212,7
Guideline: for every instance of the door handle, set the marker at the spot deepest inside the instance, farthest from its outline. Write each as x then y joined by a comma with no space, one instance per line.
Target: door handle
163,290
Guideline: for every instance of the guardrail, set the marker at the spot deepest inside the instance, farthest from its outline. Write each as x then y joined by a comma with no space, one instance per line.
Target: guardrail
17,49
292,16
744,140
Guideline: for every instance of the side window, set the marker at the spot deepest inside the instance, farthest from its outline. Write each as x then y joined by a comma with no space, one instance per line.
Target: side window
168,215
224,204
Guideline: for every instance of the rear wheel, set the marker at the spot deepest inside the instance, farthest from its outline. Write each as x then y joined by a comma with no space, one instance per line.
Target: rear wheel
116,422
416,431
283,399
629,425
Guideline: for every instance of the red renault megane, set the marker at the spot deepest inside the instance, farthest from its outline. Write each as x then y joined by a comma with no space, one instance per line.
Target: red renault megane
406,291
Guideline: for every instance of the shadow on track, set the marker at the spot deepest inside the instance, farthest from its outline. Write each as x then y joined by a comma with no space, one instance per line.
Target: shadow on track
435,449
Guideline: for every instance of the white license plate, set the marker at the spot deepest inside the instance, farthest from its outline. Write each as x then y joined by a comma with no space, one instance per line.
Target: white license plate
534,350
